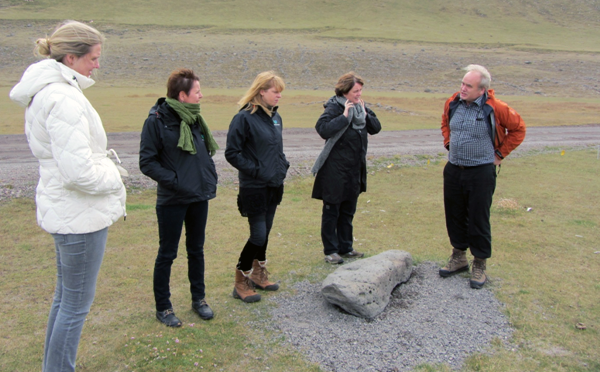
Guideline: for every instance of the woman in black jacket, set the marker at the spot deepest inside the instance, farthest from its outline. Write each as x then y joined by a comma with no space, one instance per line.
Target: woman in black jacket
341,168
255,149
176,151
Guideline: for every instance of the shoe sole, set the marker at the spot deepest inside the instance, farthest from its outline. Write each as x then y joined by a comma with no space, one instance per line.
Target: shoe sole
334,262
170,325
248,299
203,317
445,273
477,285
273,287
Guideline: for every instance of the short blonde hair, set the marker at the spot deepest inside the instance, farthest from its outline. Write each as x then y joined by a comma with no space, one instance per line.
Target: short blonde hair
486,78
263,81
69,37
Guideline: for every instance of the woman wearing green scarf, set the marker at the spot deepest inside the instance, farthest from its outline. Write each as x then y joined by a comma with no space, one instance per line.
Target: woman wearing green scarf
176,151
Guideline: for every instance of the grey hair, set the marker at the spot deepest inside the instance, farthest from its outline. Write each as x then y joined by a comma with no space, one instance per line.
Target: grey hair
486,78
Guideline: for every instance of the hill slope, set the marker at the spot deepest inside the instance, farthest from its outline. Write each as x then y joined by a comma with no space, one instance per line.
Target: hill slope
545,24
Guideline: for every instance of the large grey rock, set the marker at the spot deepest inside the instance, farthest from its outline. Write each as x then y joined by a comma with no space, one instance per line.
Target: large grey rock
363,287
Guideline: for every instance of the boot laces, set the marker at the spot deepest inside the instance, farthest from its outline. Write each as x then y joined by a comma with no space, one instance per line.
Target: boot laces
248,283
455,260
264,274
478,267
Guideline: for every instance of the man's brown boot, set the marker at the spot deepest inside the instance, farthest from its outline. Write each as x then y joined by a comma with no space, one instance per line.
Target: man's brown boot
243,288
260,276
478,277
457,263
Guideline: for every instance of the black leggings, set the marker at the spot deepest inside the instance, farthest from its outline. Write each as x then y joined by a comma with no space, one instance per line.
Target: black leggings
256,246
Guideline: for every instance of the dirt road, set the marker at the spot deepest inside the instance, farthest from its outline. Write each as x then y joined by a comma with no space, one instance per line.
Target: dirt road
19,174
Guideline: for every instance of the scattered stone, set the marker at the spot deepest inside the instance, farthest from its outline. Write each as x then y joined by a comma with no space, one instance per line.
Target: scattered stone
363,287
429,319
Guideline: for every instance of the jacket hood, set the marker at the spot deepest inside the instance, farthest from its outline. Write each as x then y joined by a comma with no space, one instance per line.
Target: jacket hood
40,74
156,106
331,101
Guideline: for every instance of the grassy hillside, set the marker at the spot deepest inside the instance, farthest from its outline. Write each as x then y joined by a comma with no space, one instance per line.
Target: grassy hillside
410,53
545,24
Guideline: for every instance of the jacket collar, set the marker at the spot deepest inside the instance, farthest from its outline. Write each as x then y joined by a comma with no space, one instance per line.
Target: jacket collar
45,72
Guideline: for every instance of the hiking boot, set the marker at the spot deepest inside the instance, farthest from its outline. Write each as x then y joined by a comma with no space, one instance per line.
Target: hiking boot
260,276
168,318
457,263
333,259
478,277
201,308
353,254
243,288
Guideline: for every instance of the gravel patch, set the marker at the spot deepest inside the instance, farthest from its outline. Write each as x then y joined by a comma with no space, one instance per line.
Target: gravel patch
428,320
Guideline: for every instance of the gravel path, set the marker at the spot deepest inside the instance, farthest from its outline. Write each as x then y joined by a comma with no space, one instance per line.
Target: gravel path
428,320
19,169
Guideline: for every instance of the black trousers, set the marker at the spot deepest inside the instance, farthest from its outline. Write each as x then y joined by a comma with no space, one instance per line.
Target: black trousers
468,193
170,223
336,226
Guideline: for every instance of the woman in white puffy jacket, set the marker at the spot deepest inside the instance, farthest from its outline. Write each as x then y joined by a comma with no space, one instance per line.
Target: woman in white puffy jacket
80,192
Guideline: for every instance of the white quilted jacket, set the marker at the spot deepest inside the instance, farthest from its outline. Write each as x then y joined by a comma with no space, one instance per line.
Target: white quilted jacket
80,189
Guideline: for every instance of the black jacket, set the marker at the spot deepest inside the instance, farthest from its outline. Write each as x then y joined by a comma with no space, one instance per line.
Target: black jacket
255,148
182,178
343,176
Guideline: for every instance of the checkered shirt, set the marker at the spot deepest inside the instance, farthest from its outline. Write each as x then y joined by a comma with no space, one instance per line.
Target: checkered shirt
470,136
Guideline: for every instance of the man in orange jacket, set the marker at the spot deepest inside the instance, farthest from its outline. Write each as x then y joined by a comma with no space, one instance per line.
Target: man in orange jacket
479,132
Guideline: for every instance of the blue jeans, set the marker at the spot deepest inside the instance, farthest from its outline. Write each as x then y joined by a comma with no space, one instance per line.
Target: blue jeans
78,260
170,224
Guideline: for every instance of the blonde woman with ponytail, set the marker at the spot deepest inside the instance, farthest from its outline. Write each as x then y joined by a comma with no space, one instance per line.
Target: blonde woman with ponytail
80,192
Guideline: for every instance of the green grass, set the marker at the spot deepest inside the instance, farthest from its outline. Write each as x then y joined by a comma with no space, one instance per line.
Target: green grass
544,24
124,109
544,269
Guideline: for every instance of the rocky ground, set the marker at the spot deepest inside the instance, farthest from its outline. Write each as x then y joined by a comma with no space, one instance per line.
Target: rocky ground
429,319
143,55
421,323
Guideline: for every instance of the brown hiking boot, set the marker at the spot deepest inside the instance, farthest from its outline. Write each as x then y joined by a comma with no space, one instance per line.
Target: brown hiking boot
457,263
243,288
260,276
478,277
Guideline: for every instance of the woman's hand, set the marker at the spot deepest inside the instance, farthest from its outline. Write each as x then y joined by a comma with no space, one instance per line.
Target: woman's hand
362,103
347,107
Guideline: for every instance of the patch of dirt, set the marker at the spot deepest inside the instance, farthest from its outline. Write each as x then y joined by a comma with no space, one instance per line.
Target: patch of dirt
19,169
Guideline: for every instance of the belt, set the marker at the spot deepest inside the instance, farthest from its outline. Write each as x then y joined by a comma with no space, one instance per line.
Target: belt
474,166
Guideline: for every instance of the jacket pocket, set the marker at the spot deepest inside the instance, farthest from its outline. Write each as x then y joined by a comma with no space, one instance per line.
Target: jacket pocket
265,172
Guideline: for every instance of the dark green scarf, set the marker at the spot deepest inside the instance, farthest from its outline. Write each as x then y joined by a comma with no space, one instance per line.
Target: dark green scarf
190,114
